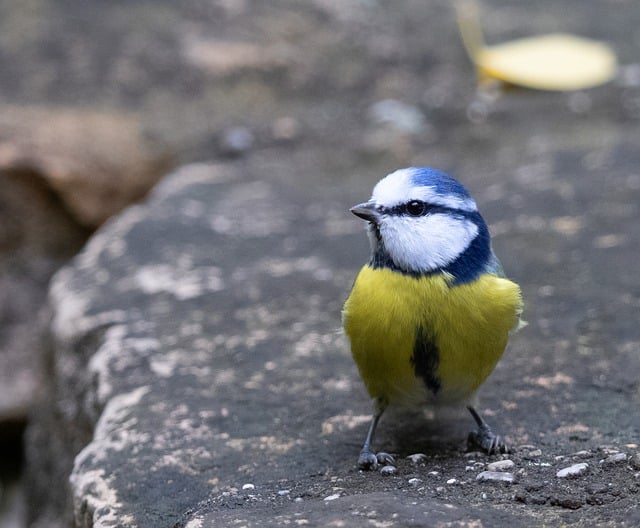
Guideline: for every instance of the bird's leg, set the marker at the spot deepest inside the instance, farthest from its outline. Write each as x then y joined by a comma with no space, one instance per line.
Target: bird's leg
484,437
368,459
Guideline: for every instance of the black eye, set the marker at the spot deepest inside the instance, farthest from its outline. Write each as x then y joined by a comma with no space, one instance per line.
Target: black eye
416,208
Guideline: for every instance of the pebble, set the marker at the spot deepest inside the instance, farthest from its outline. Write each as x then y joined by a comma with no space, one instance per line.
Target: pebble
573,471
635,461
418,458
405,118
248,486
582,454
495,476
388,470
283,492
500,465
332,497
285,128
237,140
452,481
415,481
614,459
535,453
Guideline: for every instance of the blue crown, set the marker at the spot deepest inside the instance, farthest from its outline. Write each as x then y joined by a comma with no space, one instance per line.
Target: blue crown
441,182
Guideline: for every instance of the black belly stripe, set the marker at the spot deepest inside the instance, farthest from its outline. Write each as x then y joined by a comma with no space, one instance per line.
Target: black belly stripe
426,358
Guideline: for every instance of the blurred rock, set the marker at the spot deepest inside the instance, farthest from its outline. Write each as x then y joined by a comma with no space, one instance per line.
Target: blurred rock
286,129
402,117
97,162
237,141
37,235
223,58
394,126
62,172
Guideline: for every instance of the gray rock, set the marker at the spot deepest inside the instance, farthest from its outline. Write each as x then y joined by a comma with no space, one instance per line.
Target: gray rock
615,458
496,476
573,471
403,117
388,470
500,465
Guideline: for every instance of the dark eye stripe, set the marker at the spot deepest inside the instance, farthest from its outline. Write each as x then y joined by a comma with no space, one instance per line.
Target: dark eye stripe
413,209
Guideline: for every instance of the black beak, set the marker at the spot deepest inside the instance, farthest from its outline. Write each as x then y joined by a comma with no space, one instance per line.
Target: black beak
366,211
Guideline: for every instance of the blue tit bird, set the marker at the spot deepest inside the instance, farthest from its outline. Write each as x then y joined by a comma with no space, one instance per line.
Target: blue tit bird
429,315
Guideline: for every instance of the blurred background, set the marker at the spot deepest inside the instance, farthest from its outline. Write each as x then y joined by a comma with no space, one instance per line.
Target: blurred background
99,100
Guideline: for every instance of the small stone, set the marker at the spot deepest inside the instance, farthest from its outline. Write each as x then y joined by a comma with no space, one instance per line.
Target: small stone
237,141
608,450
634,461
248,486
534,453
332,497
285,128
403,117
415,481
573,471
614,459
388,470
582,454
452,481
284,492
500,465
495,476
434,473
418,458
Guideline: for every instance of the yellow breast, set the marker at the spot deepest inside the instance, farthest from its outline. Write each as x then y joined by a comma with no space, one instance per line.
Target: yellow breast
417,339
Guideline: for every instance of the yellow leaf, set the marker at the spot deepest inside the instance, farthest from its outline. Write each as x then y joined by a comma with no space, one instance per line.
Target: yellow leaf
548,62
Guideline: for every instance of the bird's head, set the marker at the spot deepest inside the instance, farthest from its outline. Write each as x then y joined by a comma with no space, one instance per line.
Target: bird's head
422,221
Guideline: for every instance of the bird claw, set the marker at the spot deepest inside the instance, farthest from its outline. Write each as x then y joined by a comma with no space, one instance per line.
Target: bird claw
488,441
371,461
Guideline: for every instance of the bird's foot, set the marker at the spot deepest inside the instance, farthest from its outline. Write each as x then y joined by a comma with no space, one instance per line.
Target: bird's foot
371,461
485,439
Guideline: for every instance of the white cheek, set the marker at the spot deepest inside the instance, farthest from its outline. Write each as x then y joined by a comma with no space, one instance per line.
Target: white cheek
428,242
